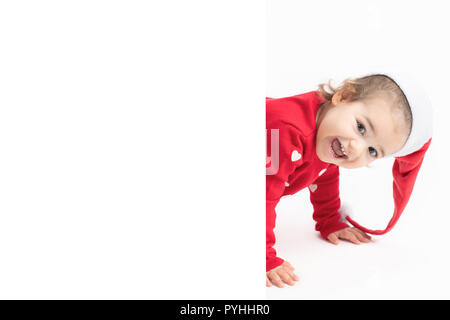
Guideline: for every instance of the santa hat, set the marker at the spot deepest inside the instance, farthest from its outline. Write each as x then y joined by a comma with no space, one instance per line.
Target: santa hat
408,159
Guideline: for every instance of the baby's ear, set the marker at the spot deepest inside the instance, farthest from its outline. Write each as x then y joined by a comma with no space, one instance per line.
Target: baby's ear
341,95
347,94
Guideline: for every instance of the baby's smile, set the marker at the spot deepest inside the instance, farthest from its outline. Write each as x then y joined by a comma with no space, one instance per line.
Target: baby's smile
353,134
337,150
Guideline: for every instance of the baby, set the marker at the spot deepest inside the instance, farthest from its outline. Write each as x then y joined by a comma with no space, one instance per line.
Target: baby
311,135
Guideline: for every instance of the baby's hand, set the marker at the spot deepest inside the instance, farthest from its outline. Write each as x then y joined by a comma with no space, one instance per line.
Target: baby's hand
350,234
283,273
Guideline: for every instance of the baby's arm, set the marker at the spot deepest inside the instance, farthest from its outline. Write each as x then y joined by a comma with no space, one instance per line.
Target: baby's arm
324,196
289,142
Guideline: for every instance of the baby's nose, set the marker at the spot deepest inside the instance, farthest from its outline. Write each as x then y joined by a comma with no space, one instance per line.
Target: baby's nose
356,147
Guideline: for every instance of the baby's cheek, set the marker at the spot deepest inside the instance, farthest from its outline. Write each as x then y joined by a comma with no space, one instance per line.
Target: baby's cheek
355,164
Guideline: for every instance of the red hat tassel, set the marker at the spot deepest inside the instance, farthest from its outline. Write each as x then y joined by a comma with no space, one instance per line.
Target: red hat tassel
404,172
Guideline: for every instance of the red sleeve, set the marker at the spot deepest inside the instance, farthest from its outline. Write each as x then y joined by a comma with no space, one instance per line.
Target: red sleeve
290,149
324,195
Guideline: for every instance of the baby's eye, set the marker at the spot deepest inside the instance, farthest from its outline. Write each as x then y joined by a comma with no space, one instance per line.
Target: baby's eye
361,127
373,152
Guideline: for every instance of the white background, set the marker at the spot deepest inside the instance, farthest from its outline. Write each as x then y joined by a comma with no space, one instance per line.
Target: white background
309,42
130,138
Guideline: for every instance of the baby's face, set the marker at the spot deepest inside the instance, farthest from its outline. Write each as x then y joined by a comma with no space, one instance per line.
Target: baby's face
353,134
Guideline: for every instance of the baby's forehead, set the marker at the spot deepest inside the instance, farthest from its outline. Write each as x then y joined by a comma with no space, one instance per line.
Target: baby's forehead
385,110
382,98
383,103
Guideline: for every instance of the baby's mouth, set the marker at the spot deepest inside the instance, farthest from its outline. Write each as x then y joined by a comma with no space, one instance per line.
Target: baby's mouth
337,149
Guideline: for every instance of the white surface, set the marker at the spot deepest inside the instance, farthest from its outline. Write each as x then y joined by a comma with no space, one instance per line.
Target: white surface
310,42
410,262
89,208
118,143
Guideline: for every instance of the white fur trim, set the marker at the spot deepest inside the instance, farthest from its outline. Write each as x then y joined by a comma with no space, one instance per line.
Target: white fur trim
419,102
422,113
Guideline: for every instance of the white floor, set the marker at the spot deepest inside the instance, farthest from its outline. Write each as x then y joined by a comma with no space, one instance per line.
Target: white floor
410,262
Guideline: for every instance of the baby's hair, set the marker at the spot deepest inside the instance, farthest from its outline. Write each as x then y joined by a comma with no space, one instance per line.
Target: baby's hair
369,86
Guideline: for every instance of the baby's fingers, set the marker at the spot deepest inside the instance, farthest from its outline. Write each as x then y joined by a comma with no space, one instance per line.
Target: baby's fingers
288,266
360,235
365,235
286,277
333,238
292,274
268,282
350,236
275,279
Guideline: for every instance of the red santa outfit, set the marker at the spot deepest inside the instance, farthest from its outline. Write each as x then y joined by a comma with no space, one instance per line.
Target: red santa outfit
293,120
292,163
